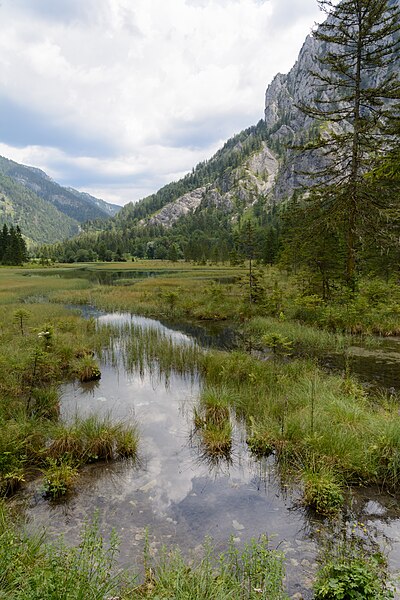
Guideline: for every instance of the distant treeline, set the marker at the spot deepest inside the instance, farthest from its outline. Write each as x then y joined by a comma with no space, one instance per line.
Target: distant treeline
13,249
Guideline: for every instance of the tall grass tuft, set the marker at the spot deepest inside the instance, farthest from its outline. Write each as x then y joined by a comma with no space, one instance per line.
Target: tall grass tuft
93,439
254,572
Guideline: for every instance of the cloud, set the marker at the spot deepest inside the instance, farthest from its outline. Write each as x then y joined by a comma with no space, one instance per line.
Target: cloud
65,11
154,85
22,126
288,12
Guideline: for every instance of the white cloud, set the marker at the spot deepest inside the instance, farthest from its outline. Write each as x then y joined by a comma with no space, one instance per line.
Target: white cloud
124,75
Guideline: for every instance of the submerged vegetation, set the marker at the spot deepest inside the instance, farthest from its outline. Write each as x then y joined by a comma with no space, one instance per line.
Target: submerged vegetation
32,569
323,430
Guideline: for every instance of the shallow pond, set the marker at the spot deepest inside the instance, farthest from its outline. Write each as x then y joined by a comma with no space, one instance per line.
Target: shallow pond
376,367
119,277
174,490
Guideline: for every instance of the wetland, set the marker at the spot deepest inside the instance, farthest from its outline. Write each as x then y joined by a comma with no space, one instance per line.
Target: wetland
181,386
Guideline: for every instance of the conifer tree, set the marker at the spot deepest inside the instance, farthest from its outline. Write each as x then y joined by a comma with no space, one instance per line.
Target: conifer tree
13,249
356,99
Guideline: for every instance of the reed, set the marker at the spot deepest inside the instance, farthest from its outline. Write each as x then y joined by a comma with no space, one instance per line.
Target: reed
93,439
217,440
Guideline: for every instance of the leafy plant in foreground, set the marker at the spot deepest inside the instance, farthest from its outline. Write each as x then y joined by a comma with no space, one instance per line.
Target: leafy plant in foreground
354,569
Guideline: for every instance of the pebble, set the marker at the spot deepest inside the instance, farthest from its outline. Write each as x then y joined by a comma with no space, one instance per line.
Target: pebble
148,486
238,526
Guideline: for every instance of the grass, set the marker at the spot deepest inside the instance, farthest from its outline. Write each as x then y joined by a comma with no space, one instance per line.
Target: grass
31,569
248,574
304,339
41,345
323,490
304,416
212,422
86,369
93,439
291,408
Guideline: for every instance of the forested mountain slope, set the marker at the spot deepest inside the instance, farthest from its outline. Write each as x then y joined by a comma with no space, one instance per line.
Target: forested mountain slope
249,177
39,220
77,205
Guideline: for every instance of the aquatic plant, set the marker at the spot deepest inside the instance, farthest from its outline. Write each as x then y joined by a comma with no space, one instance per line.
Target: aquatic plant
127,441
323,490
59,477
93,439
31,568
256,571
259,439
214,405
86,369
67,442
217,440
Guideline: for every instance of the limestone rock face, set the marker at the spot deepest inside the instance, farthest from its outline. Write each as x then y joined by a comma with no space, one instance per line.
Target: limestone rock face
287,124
171,212
243,185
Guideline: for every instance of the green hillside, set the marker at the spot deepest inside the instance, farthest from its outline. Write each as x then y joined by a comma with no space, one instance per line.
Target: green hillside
39,221
77,205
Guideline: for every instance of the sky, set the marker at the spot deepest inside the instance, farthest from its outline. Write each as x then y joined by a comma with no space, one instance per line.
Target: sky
119,97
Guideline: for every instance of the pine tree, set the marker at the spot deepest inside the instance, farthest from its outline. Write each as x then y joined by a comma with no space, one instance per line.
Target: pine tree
248,245
3,241
13,250
356,98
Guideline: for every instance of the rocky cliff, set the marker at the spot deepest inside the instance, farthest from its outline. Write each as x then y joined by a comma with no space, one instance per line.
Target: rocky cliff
240,186
287,124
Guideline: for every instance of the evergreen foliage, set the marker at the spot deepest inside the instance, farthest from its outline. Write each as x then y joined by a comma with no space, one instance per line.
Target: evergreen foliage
356,111
40,221
76,205
229,157
13,249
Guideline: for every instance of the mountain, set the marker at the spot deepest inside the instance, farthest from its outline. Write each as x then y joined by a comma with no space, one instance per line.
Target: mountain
248,177
239,174
39,220
78,206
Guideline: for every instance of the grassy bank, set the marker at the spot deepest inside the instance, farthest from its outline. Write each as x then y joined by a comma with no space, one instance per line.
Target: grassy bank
222,292
31,569
42,345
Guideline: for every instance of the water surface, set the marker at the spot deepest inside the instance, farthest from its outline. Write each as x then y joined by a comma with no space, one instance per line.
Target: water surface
174,491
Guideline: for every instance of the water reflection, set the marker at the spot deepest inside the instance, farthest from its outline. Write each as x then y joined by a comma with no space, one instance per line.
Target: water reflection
101,276
175,490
